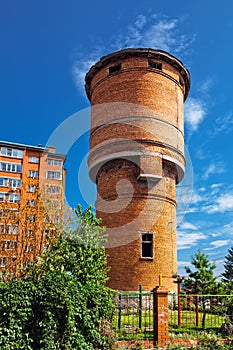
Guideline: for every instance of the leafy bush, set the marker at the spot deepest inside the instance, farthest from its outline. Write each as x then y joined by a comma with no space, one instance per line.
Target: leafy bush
61,302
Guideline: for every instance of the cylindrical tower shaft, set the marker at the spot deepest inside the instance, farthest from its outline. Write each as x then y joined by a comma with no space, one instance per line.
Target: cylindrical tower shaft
136,158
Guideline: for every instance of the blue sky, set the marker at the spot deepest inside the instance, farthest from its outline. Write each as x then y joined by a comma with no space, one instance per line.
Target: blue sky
48,46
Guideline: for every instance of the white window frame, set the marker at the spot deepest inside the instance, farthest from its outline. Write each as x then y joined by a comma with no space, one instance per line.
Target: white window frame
10,182
29,248
32,188
3,260
9,197
33,173
34,159
11,167
54,162
53,189
9,244
11,152
54,175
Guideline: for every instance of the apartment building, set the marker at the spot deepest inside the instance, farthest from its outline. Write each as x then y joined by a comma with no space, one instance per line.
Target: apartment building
32,181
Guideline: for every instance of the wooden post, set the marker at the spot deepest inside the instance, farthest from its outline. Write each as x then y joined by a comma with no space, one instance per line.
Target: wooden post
160,310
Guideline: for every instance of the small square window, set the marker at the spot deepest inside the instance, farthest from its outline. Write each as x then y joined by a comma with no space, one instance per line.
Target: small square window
155,65
114,69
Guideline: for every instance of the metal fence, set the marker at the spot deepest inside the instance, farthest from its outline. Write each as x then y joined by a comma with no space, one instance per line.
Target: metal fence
133,318
194,314
188,316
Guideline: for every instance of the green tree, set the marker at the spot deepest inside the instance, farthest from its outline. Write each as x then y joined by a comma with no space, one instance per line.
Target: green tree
228,267
61,302
201,280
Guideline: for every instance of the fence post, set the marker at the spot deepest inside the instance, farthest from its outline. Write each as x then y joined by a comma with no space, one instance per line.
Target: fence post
160,316
179,305
197,310
119,312
140,306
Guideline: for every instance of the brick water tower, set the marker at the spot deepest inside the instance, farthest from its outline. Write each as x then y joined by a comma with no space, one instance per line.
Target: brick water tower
136,159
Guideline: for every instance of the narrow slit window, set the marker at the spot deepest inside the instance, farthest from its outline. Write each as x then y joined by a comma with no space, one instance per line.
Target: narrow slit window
114,69
155,65
147,245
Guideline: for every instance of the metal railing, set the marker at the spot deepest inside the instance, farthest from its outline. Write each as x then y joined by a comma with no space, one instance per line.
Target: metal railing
133,318
194,314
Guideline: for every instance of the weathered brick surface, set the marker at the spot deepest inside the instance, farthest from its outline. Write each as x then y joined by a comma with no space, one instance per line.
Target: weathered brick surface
160,315
136,158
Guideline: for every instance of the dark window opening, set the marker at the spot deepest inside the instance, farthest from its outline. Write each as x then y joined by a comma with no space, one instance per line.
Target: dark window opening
147,245
155,65
114,68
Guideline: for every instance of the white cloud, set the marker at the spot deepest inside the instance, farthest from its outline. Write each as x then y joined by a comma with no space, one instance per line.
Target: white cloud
187,240
196,198
82,64
213,168
183,263
202,189
216,185
194,113
222,204
210,170
153,31
187,226
205,86
223,124
217,197
196,108
218,244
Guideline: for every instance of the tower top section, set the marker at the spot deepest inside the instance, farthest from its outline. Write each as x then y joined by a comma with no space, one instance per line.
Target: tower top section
150,54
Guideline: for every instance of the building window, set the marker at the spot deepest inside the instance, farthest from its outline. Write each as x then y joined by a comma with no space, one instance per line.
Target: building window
10,182
9,213
3,261
10,152
11,167
32,188
4,213
55,204
54,162
8,245
54,175
33,173
53,189
8,229
155,65
33,159
30,233
12,229
114,69
147,245
14,198
9,197
29,248
31,203
31,218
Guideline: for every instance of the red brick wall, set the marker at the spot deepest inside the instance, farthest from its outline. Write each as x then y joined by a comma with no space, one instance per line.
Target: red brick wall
136,158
